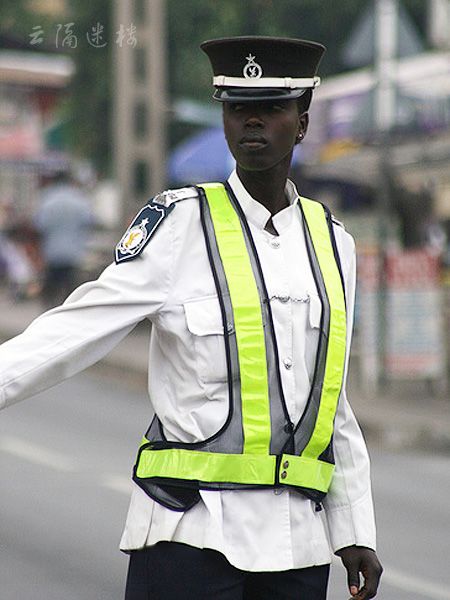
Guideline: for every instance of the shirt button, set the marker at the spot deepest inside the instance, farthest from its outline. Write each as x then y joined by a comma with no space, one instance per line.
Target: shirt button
284,475
287,363
285,464
275,244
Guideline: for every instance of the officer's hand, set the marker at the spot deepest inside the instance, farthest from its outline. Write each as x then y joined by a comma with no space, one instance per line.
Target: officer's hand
357,559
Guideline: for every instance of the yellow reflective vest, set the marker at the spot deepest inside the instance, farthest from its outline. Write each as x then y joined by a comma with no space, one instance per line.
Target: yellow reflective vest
258,445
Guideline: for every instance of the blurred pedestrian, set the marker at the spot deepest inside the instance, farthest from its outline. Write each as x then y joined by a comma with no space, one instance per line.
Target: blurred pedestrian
64,219
20,275
19,252
253,470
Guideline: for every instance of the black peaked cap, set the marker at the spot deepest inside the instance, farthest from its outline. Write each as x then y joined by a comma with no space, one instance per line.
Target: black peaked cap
256,59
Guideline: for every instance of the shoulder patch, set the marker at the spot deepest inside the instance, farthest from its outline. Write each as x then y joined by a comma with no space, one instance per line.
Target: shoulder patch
140,231
169,197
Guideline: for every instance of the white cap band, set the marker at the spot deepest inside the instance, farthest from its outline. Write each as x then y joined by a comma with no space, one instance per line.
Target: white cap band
266,82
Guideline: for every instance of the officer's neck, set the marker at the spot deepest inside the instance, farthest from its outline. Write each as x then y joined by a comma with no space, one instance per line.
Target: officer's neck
267,187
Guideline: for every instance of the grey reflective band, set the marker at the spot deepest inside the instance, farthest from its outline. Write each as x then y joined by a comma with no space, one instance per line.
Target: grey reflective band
267,82
234,430
308,420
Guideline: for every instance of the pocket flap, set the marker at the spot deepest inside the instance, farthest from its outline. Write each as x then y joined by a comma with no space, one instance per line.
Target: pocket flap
203,317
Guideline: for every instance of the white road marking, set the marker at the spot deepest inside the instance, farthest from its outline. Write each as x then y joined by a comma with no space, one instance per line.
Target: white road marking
37,454
410,583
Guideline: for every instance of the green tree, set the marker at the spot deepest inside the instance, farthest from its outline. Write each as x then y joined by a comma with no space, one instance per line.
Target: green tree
90,99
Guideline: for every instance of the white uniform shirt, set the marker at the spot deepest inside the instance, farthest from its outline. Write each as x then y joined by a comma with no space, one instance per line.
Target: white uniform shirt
171,284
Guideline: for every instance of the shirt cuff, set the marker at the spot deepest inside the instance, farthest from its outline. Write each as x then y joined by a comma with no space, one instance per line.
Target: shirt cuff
352,525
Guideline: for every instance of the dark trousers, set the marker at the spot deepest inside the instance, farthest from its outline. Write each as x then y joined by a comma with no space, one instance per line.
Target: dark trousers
172,571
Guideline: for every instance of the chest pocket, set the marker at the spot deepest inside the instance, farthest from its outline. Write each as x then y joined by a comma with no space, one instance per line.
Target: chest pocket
204,322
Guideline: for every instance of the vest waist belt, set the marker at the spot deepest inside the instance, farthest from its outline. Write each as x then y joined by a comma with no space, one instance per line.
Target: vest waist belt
244,469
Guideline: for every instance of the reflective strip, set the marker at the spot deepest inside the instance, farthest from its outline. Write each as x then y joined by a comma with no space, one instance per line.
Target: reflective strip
278,410
335,359
210,467
232,427
305,472
247,320
308,420
249,469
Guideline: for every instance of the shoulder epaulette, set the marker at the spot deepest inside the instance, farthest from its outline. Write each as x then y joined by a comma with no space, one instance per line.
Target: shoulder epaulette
170,197
336,222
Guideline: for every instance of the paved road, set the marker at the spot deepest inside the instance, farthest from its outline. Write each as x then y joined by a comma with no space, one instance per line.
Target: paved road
413,514
64,496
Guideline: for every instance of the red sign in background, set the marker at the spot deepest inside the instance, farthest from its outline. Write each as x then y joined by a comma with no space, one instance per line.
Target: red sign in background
414,322
412,269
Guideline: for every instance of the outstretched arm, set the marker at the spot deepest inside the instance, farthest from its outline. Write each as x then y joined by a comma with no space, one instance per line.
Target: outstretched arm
94,319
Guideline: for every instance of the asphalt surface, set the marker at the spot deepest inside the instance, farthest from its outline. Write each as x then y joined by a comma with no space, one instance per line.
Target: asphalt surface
65,459
66,456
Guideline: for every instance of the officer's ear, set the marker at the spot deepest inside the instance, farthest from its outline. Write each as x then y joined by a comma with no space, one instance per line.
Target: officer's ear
303,122
303,104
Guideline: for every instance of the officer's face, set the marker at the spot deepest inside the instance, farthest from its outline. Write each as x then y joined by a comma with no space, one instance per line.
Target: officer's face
262,134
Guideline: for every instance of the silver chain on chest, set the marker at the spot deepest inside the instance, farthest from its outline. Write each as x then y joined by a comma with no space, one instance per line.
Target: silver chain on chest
284,299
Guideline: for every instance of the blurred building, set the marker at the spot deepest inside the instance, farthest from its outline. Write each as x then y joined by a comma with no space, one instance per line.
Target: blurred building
31,86
392,188
343,135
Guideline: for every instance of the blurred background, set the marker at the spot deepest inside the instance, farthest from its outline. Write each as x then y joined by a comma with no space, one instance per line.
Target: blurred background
105,104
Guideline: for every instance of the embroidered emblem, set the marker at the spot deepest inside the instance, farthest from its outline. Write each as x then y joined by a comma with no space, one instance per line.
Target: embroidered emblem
134,238
140,231
252,69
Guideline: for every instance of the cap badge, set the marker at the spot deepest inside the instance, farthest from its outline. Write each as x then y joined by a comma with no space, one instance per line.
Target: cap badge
252,69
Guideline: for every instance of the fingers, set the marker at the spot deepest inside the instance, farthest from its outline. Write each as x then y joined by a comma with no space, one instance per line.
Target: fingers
353,578
371,570
358,560
364,594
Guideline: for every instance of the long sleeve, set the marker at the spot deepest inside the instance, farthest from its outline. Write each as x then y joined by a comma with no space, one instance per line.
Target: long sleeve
94,319
348,505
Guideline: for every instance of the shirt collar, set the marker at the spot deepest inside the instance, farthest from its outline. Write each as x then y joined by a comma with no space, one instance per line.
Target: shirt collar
256,213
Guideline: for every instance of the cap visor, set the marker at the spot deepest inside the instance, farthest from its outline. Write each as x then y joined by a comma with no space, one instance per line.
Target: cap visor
241,94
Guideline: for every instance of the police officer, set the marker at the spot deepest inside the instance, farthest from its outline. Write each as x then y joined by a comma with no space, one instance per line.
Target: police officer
253,470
